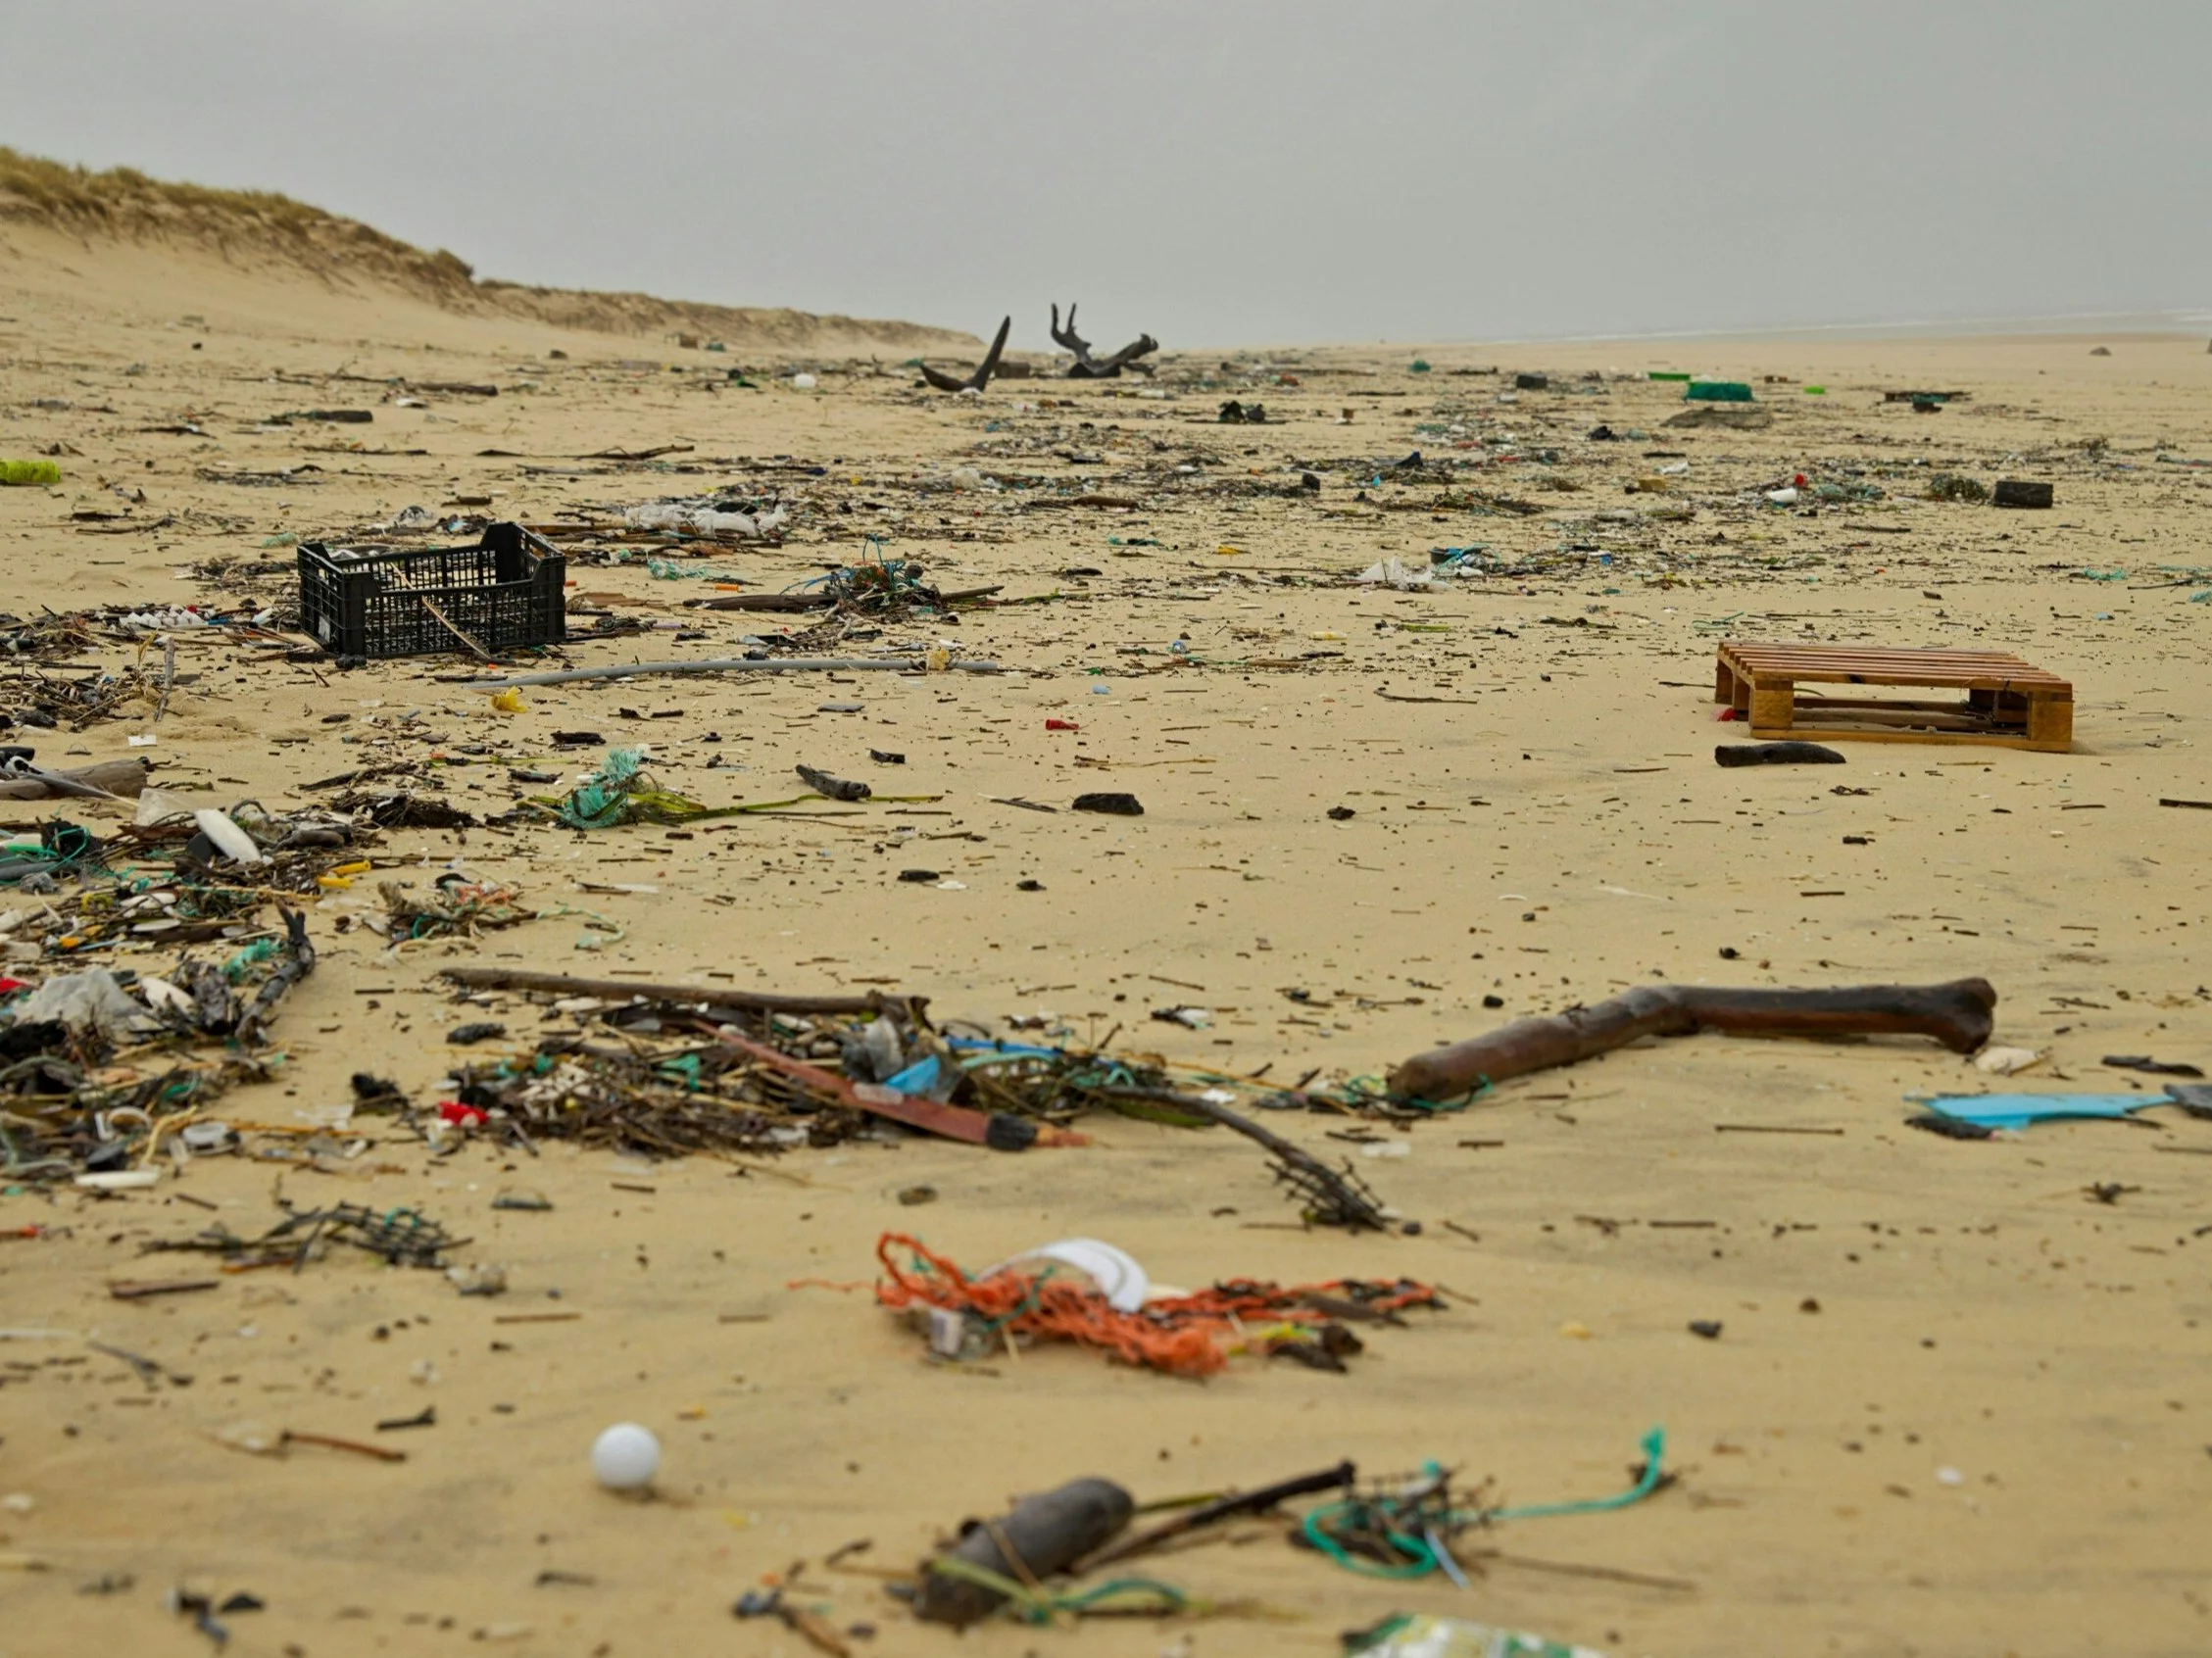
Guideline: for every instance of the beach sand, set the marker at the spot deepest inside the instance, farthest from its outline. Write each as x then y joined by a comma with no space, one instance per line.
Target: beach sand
1952,1407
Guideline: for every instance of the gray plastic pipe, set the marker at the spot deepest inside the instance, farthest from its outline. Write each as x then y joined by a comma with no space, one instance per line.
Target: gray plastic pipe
729,664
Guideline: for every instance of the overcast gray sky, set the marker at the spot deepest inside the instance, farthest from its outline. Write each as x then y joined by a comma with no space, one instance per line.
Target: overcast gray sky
1218,172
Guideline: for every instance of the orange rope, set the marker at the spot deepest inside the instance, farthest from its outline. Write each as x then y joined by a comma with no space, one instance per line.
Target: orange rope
1182,1335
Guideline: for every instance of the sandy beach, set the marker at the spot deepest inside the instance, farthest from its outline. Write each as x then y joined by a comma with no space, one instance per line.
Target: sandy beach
1950,1407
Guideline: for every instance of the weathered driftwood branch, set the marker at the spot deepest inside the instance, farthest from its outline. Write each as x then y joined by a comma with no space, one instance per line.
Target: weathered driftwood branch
298,963
1955,1014
983,370
1333,1198
1089,368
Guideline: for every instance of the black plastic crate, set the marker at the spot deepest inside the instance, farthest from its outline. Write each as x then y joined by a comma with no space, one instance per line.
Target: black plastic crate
508,591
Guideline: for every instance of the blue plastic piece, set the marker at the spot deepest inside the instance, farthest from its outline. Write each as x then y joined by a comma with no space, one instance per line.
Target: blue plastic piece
2013,1111
918,1078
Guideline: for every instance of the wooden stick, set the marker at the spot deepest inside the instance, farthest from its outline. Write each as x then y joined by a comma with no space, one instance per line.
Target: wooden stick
139,1290
453,627
1221,1508
1349,1204
764,602
621,990
329,1442
1955,1014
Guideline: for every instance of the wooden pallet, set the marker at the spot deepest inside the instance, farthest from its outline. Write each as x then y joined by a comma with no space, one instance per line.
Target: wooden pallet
2009,703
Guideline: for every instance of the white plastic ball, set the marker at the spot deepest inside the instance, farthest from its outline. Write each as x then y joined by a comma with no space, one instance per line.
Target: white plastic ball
626,1457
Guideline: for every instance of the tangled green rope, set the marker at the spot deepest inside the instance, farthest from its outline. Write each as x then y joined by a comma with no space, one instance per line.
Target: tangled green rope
1413,1534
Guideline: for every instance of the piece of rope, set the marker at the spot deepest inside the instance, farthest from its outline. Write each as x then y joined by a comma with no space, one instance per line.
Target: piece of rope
1182,1335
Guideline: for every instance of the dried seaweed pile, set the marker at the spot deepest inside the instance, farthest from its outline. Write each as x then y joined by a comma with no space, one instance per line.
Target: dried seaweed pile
101,1069
877,586
52,699
168,882
672,1099
43,686
401,807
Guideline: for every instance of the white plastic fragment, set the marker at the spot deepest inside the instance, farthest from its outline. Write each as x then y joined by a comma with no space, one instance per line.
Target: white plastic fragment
229,840
1120,1280
1393,572
119,1180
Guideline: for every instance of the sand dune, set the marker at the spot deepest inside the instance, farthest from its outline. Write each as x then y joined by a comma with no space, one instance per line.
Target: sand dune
274,242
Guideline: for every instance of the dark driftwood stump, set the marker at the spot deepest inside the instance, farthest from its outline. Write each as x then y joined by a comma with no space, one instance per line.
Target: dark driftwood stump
1776,754
1089,368
983,370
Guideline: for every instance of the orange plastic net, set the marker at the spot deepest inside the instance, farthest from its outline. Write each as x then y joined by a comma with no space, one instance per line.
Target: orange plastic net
1182,1335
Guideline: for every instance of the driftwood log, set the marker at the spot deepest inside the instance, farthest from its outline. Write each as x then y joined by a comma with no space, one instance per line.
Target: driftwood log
976,381
1089,368
1955,1014
122,779
299,962
1776,754
1044,1534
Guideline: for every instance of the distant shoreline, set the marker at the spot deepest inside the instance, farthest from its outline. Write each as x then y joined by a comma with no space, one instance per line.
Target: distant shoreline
2183,325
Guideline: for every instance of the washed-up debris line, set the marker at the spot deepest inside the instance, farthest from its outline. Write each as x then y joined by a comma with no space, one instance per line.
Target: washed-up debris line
104,1070
682,1070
